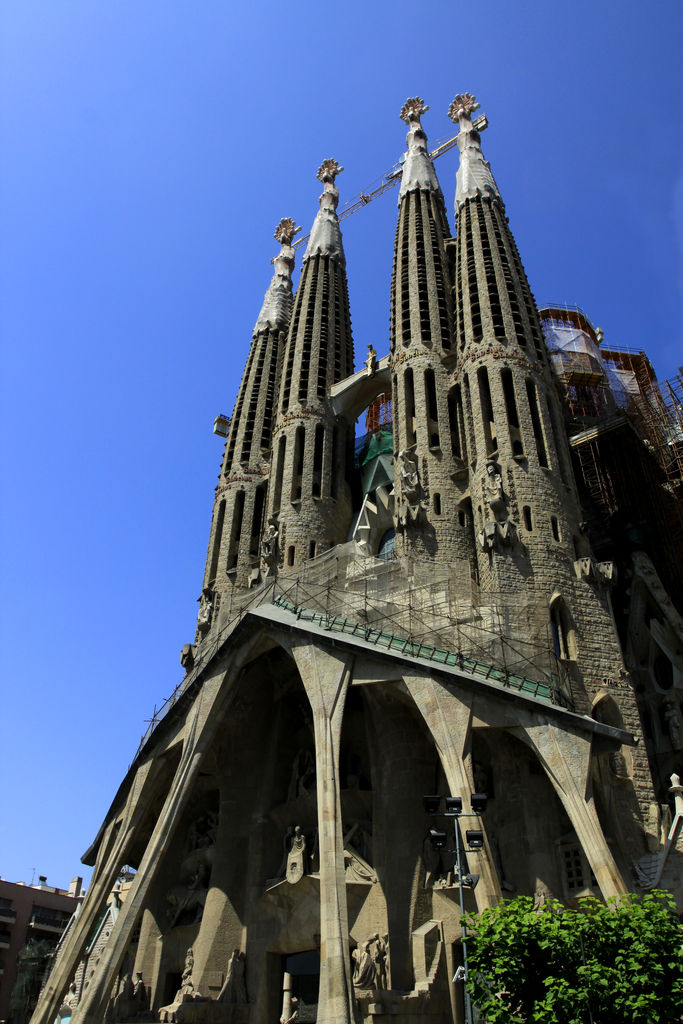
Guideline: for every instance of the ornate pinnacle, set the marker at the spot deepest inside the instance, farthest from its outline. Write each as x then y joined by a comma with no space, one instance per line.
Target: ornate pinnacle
463,105
328,171
286,230
413,109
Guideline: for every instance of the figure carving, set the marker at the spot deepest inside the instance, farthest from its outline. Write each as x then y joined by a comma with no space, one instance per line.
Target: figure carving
234,988
296,859
269,546
379,959
364,969
673,722
371,361
70,1001
492,486
409,485
140,992
290,1018
185,994
205,610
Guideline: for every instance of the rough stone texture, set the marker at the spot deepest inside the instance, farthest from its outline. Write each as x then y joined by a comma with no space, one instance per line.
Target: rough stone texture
342,688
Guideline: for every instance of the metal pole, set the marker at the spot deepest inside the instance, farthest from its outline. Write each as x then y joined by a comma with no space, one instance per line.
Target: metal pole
468,1005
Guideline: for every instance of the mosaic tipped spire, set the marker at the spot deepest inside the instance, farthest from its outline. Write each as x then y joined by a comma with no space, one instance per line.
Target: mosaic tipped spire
277,302
418,169
474,174
325,239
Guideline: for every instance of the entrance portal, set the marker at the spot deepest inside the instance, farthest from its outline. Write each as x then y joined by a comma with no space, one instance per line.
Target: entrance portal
301,980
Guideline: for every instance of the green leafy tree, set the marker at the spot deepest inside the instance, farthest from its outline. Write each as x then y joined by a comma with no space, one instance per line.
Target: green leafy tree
32,962
614,963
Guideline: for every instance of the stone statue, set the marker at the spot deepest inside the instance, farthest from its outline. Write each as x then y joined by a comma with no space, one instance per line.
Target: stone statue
364,969
234,988
187,657
673,722
70,1002
205,610
409,484
296,860
492,487
140,992
379,959
185,994
371,361
269,545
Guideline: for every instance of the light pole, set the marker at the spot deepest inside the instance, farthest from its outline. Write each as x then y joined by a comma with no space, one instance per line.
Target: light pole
475,841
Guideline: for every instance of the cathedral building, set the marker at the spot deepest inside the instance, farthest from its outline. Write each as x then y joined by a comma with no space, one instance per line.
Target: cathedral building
476,601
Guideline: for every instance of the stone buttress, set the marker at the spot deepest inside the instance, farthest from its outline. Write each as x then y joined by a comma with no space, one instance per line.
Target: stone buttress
431,506
240,502
309,499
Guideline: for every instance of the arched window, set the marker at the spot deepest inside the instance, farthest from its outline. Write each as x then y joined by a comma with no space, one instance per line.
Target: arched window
387,545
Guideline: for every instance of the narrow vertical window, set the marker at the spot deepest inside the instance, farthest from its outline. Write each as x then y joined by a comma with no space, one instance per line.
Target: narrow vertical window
409,394
454,414
290,554
217,537
555,526
432,411
319,441
511,410
236,533
311,549
526,514
257,519
298,463
277,491
437,504
558,442
336,468
486,405
536,424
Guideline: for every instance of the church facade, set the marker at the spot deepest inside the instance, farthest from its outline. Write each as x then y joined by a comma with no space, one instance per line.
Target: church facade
428,610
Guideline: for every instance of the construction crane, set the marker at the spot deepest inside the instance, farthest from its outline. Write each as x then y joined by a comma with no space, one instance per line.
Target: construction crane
392,177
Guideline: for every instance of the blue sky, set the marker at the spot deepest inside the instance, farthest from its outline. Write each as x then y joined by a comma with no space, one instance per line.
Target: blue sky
149,149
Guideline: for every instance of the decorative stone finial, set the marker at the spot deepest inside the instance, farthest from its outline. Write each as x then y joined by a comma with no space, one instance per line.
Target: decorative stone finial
286,230
413,109
328,171
463,105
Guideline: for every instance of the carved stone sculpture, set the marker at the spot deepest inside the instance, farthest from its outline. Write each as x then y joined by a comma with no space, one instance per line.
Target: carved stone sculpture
413,109
290,1017
270,547
364,969
296,859
234,988
410,501
379,959
492,486
205,610
371,361
185,994
463,105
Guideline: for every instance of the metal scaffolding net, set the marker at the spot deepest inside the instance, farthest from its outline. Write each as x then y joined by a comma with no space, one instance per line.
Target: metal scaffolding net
434,612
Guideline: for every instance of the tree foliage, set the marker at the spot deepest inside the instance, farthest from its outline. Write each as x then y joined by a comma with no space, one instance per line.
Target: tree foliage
618,963
32,961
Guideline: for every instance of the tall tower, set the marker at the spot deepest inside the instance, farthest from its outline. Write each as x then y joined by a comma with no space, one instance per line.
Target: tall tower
430,467
525,506
308,493
239,504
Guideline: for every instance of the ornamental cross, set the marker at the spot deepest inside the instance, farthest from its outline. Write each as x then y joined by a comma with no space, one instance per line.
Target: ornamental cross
463,105
413,109
285,231
328,171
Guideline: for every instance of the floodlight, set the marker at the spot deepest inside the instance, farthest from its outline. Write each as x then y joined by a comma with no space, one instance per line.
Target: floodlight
478,802
474,838
437,837
454,805
431,804
470,881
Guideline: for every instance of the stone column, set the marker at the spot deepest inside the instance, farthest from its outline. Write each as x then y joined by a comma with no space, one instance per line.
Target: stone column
326,679
112,856
203,720
566,759
449,720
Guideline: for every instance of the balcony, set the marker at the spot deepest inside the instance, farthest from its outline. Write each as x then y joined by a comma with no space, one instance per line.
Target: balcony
4,940
48,922
8,915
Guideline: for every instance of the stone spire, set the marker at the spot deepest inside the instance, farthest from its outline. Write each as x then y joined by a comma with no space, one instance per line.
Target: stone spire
308,492
474,174
429,473
277,303
325,238
234,545
418,169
